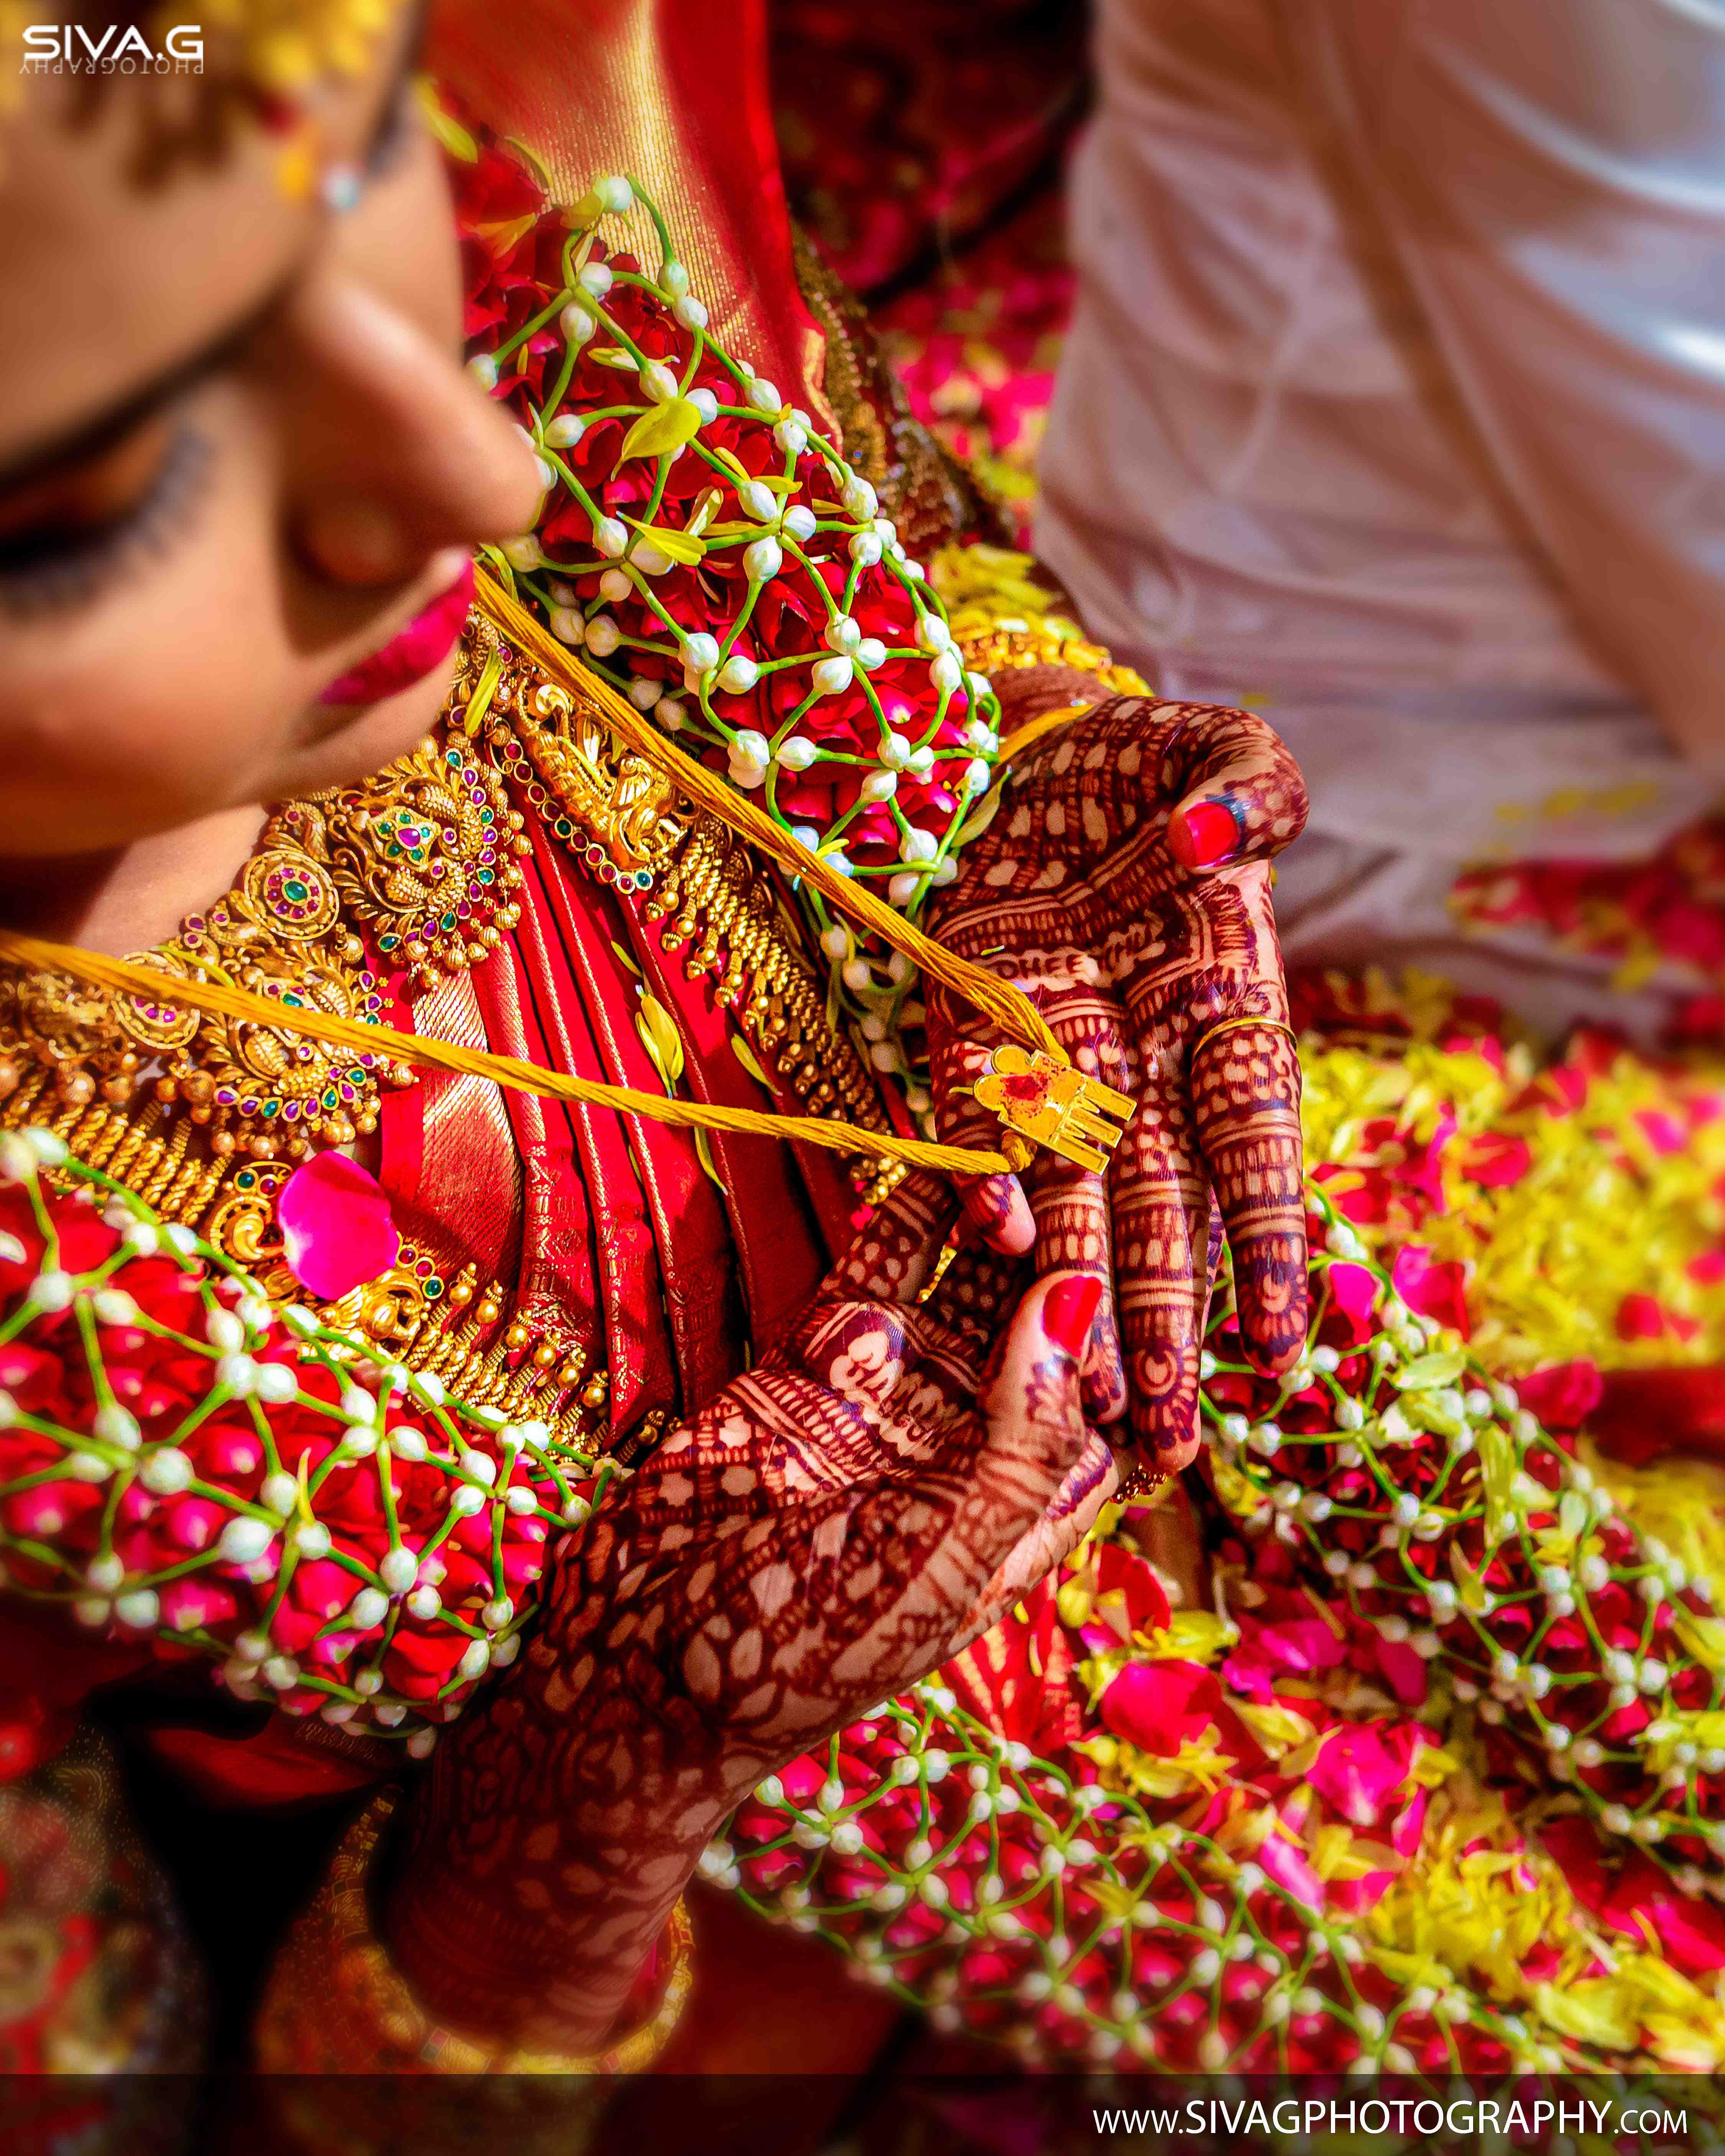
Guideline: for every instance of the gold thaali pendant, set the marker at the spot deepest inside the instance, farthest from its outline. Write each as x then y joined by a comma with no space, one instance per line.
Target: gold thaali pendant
1045,1103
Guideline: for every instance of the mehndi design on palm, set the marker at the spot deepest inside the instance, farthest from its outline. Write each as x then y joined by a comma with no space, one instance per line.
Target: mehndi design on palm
836,1523
1124,884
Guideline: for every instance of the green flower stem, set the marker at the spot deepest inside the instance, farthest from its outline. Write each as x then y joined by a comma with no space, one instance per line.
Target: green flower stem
532,326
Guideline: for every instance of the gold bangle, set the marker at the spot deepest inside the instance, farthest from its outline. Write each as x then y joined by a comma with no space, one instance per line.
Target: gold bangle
1229,1024
336,2003
1014,744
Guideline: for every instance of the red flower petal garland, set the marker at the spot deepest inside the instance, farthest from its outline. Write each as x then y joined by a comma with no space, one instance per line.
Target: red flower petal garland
1161,1889
1036,1901
705,545
178,1462
1439,1511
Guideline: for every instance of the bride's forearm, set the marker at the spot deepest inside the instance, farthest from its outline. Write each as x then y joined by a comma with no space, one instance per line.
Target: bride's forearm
529,1923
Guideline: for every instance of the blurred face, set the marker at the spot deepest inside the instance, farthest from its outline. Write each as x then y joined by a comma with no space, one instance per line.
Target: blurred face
242,469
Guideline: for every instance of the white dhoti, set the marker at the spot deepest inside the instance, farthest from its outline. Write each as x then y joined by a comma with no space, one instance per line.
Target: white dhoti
1395,403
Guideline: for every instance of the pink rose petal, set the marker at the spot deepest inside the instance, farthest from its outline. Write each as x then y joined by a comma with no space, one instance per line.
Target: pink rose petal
1433,1288
1286,1862
1157,1706
1302,1644
1357,1772
336,1226
1353,1288
1406,1671
1563,1395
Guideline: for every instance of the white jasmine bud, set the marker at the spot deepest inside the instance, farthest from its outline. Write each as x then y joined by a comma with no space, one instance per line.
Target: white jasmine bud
225,1331
244,1540
738,674
577,324
761,560
397,1568
658,385
275,1384
51,1291
116,1425
166,1472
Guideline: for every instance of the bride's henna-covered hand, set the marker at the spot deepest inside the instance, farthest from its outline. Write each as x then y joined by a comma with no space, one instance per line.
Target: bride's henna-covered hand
1124,884
836,1524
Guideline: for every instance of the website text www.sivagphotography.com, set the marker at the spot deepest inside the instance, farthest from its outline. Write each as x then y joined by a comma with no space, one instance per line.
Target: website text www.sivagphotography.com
1548,2115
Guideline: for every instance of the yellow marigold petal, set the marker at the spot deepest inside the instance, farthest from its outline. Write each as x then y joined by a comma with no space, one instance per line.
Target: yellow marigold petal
1601,2013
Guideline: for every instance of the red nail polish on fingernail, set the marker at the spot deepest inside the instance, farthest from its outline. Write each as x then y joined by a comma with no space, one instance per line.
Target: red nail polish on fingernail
1070,1311
1205,835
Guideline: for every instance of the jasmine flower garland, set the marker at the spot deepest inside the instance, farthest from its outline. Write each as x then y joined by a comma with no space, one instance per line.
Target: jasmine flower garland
704,545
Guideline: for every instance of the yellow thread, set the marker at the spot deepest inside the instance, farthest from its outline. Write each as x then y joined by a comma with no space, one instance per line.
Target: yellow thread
159,987
1010,1007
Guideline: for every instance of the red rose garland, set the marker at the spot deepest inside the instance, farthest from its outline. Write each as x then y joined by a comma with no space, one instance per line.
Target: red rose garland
1435,1508
179,1462
1403,1518
704,545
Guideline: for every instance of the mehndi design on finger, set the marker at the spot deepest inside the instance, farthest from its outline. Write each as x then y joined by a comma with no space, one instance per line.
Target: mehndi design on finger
1079,890
1245,1090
